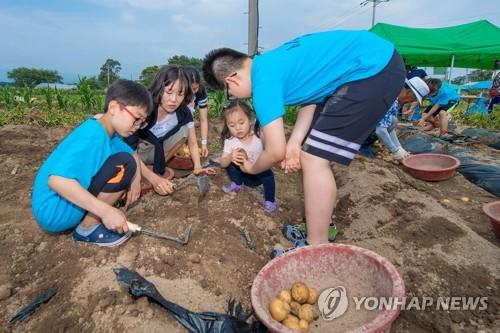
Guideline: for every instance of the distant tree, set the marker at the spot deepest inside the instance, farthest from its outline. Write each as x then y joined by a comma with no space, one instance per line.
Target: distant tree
182,60
30,77
480,75
92,82
109,72
148,74
458,80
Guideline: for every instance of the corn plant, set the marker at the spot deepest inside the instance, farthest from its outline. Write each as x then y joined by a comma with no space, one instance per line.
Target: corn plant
86,94
49,97
73,104
98,103
62,99
28,98
7,97
217,101
290,114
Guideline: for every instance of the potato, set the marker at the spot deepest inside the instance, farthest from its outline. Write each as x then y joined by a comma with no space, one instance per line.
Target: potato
303,325
313,296
308,313
295,307
287,307
241,150
279,310
285,296
300,292
291,322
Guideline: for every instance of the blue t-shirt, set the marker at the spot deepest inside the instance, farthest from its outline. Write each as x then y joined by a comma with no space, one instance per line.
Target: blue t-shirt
445,94
308,69
79,156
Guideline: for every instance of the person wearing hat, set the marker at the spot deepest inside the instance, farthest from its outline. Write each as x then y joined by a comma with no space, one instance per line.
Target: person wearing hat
414,90
412,110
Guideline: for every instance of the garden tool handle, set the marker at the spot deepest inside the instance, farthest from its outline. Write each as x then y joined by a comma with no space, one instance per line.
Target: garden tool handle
133,227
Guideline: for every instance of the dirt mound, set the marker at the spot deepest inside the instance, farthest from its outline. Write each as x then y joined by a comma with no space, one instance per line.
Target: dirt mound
441,244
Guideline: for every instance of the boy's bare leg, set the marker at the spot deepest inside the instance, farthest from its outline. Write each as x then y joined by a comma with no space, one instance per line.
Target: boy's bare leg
443,123
429,124
320,192
90,219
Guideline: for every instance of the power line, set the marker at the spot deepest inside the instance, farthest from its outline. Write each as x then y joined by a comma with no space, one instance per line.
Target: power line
343,18
375,3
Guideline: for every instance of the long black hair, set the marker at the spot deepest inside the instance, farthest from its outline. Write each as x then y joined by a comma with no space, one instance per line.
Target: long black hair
194,77
166,76
232,106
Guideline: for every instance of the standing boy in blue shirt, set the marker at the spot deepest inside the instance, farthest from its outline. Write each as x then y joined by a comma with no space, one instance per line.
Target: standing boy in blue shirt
91,169
344,81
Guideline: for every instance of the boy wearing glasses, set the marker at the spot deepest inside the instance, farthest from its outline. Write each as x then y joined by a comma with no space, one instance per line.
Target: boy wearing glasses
91,169
344,81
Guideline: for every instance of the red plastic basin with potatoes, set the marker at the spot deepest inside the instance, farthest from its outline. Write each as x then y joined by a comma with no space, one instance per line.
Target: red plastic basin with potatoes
492,209
362,273
431,167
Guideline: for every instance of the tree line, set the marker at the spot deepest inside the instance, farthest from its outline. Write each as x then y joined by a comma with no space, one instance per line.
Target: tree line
109,73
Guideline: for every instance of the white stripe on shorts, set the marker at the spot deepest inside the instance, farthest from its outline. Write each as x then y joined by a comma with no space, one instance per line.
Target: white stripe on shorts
335,139
330,149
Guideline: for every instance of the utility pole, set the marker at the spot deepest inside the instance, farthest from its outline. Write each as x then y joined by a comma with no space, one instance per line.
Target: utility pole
374,5
253,27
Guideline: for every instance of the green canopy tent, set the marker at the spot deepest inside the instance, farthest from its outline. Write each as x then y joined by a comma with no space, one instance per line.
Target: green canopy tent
472,45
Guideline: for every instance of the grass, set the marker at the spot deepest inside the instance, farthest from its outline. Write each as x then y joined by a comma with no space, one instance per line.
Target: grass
478,120
52,107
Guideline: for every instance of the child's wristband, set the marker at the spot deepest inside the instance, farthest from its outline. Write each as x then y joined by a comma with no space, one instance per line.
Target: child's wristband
204,141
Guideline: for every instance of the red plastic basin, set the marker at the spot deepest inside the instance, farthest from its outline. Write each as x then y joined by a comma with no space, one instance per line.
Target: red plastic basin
431,167
361,272
492,209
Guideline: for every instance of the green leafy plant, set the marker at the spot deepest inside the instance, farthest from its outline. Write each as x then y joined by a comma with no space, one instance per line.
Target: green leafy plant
73,104
49,97
98,103
86,94
217,101
62,99
28,99
7,97
291,114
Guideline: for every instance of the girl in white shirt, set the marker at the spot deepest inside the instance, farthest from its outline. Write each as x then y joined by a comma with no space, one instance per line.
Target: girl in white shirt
240,144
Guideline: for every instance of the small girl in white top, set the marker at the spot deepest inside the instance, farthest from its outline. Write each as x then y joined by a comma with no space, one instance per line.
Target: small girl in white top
240,144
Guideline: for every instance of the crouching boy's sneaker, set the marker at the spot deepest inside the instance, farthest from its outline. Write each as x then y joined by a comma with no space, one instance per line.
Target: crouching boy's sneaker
102,236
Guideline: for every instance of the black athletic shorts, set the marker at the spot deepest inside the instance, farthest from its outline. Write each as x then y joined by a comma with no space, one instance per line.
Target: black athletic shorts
344,121
441,108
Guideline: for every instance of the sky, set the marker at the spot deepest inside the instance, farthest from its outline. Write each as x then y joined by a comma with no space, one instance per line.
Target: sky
75,37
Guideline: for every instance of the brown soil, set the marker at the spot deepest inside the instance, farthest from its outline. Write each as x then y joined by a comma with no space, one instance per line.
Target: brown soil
441,245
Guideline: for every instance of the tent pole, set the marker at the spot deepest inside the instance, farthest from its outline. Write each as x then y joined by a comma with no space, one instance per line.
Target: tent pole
451,68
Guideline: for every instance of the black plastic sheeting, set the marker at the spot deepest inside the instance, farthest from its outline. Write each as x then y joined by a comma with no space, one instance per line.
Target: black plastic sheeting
483,175
490,138
233,321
